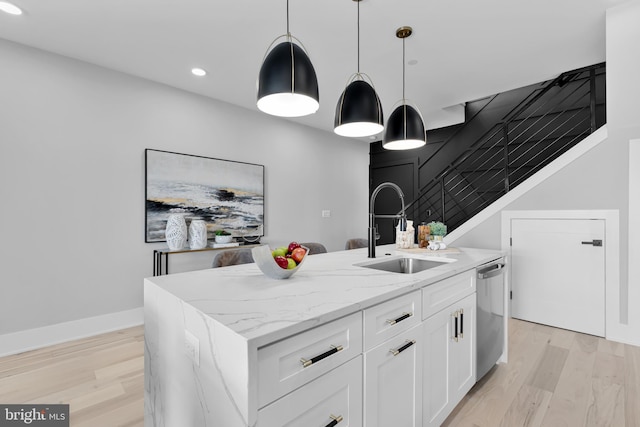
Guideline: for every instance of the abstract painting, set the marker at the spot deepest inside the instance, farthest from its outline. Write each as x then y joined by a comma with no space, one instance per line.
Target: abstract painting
228,195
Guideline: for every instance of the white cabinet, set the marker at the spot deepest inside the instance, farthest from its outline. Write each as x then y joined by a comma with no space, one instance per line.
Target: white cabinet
390,318
294,361
393,382
463,351
404,362
442,294
449,358
334,399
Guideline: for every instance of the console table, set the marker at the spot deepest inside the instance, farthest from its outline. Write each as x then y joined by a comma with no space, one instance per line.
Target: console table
160,267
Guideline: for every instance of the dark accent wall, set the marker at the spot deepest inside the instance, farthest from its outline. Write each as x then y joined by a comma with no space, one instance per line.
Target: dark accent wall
531,119
402,168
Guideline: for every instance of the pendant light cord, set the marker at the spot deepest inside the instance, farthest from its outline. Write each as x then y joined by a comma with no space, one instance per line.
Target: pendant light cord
288,33
358,1
403,72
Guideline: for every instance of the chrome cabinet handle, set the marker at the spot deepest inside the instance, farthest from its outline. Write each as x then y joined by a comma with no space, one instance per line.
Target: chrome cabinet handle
336,420
308,362
491,271
399,319
461,323
397,351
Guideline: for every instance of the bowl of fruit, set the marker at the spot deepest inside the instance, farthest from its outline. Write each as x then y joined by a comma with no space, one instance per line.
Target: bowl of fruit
282,262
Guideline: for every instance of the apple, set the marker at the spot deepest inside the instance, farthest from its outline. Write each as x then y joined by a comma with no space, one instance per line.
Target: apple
282,261
281,251
292,246
292,264
298,254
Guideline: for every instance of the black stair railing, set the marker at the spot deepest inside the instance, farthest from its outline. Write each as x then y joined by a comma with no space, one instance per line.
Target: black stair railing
550,121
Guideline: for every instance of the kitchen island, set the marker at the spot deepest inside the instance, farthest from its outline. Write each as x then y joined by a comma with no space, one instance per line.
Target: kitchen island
231,347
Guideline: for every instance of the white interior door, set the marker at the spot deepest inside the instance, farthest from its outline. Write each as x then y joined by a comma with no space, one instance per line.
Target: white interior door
558,274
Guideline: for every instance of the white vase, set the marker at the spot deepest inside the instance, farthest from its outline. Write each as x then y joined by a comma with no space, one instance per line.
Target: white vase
176,232
197,234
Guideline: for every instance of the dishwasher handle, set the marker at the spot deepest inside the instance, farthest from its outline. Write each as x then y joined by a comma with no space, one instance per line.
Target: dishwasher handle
490,271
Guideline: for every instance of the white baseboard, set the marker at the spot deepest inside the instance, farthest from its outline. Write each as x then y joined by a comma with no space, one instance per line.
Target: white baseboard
31,339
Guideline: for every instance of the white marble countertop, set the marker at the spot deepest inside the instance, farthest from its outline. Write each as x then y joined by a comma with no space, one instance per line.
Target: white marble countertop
327,287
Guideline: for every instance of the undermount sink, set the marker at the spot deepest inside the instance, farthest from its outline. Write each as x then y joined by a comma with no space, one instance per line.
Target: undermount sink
406,265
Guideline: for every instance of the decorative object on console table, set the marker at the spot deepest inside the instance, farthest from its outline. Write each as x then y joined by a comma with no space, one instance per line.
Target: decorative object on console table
225,245
226,194
223,236
197,233
176,231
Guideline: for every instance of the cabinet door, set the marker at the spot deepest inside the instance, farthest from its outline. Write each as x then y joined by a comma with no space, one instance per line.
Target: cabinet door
449,359
463,351
334,399
438,339
393,382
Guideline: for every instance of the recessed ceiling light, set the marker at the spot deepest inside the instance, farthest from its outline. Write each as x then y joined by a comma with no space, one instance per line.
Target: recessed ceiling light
198,72
9,8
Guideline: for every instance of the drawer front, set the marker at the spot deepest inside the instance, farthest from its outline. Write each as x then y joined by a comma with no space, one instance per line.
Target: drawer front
334,399
444,293
390,318
293,362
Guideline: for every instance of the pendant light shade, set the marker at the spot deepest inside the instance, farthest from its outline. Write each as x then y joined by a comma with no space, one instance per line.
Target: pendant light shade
287,83
359,112
405,127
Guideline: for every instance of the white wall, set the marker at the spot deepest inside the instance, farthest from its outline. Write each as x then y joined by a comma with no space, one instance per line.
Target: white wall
623,92
72,140
623,65
600,178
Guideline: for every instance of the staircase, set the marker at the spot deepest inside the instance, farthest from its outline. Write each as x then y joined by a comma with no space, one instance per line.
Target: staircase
506,139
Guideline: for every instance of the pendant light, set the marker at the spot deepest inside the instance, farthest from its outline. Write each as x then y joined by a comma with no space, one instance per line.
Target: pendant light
405,127
287,83
359,112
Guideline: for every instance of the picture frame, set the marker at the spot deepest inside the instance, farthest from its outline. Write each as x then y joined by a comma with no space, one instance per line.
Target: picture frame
227,194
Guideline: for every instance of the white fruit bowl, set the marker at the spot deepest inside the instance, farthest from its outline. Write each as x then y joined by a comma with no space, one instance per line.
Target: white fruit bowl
262,256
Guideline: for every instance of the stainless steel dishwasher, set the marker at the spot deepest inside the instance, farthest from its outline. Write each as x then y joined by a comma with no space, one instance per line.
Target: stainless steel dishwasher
489,316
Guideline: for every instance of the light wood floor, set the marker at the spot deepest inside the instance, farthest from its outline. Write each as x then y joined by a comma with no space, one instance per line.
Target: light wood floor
101,378
554,378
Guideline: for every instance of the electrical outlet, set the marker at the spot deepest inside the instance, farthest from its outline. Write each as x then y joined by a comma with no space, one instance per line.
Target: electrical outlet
192,347
326,213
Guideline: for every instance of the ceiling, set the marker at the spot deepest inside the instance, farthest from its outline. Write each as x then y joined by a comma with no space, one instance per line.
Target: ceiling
460,50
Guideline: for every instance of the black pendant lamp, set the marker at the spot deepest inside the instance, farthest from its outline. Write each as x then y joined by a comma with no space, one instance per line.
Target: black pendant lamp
287,84
405,127
359,112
